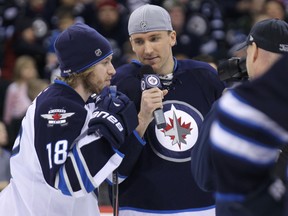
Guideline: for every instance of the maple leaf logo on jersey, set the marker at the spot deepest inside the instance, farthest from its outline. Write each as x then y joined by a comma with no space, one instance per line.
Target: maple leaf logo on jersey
174,142
57,116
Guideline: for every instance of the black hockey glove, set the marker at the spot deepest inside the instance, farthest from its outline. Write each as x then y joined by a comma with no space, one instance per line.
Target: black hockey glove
115,116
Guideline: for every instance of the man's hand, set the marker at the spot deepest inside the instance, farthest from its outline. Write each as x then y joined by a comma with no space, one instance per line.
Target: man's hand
115,116
150,101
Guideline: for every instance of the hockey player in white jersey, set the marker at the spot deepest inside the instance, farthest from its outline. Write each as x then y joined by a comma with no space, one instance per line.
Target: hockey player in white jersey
67,147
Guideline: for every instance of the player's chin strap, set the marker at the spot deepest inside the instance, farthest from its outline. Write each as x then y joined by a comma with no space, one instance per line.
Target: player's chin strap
115,186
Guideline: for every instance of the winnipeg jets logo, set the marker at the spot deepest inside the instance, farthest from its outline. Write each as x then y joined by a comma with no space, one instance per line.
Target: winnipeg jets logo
175,141
177,131
153,80
57,116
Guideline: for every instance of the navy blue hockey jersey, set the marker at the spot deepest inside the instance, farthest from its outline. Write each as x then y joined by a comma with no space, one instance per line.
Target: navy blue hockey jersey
161,181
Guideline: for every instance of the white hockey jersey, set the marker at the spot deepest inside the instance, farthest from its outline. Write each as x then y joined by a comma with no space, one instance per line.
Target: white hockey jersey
52,174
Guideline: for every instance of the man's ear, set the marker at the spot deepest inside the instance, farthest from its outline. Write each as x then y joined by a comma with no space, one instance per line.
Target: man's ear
173,35
130,39
254,51
173,43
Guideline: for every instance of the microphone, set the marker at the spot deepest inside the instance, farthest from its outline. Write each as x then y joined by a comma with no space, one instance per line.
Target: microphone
149,80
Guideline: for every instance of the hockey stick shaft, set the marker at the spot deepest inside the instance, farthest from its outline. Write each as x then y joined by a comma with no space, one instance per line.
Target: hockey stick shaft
115,186
115,191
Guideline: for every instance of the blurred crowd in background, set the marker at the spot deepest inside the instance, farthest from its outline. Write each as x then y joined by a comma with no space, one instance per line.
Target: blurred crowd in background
207,30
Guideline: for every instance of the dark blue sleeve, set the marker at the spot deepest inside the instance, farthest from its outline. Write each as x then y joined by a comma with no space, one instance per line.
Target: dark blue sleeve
201,161
54,133
132,148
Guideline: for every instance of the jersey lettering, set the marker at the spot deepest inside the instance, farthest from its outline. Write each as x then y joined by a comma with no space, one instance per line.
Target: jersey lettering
109,117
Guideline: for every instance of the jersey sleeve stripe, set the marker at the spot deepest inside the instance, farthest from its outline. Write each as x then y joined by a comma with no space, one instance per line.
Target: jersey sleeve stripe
243,148
84,173
77,173
230,197
108,168
63,182
250,115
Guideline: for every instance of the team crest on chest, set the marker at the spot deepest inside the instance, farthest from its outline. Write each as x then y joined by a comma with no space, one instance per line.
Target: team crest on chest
57,117
175,141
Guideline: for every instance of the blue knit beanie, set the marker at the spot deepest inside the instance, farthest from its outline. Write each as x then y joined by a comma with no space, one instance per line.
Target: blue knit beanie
80,47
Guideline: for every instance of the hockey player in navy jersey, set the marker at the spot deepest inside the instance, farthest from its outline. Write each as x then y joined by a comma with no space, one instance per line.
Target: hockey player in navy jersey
66,147
161,181
248,130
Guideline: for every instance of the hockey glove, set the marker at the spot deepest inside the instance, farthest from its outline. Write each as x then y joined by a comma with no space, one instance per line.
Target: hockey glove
111,100
115,117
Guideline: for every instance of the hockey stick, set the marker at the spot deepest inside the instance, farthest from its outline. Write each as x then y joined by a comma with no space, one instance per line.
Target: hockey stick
115,187
115,190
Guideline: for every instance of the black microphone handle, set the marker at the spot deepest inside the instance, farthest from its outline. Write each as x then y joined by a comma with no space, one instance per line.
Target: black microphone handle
159,118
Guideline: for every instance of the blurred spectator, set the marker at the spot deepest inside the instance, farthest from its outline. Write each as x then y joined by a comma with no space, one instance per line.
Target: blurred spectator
35,86
128,54
134,4
9,11
27,42
240,16
17,100
188,44
3,88
245,13
63,18
51,7
206,21
275,9
32,8
4,157
32,11
209,59
110,19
